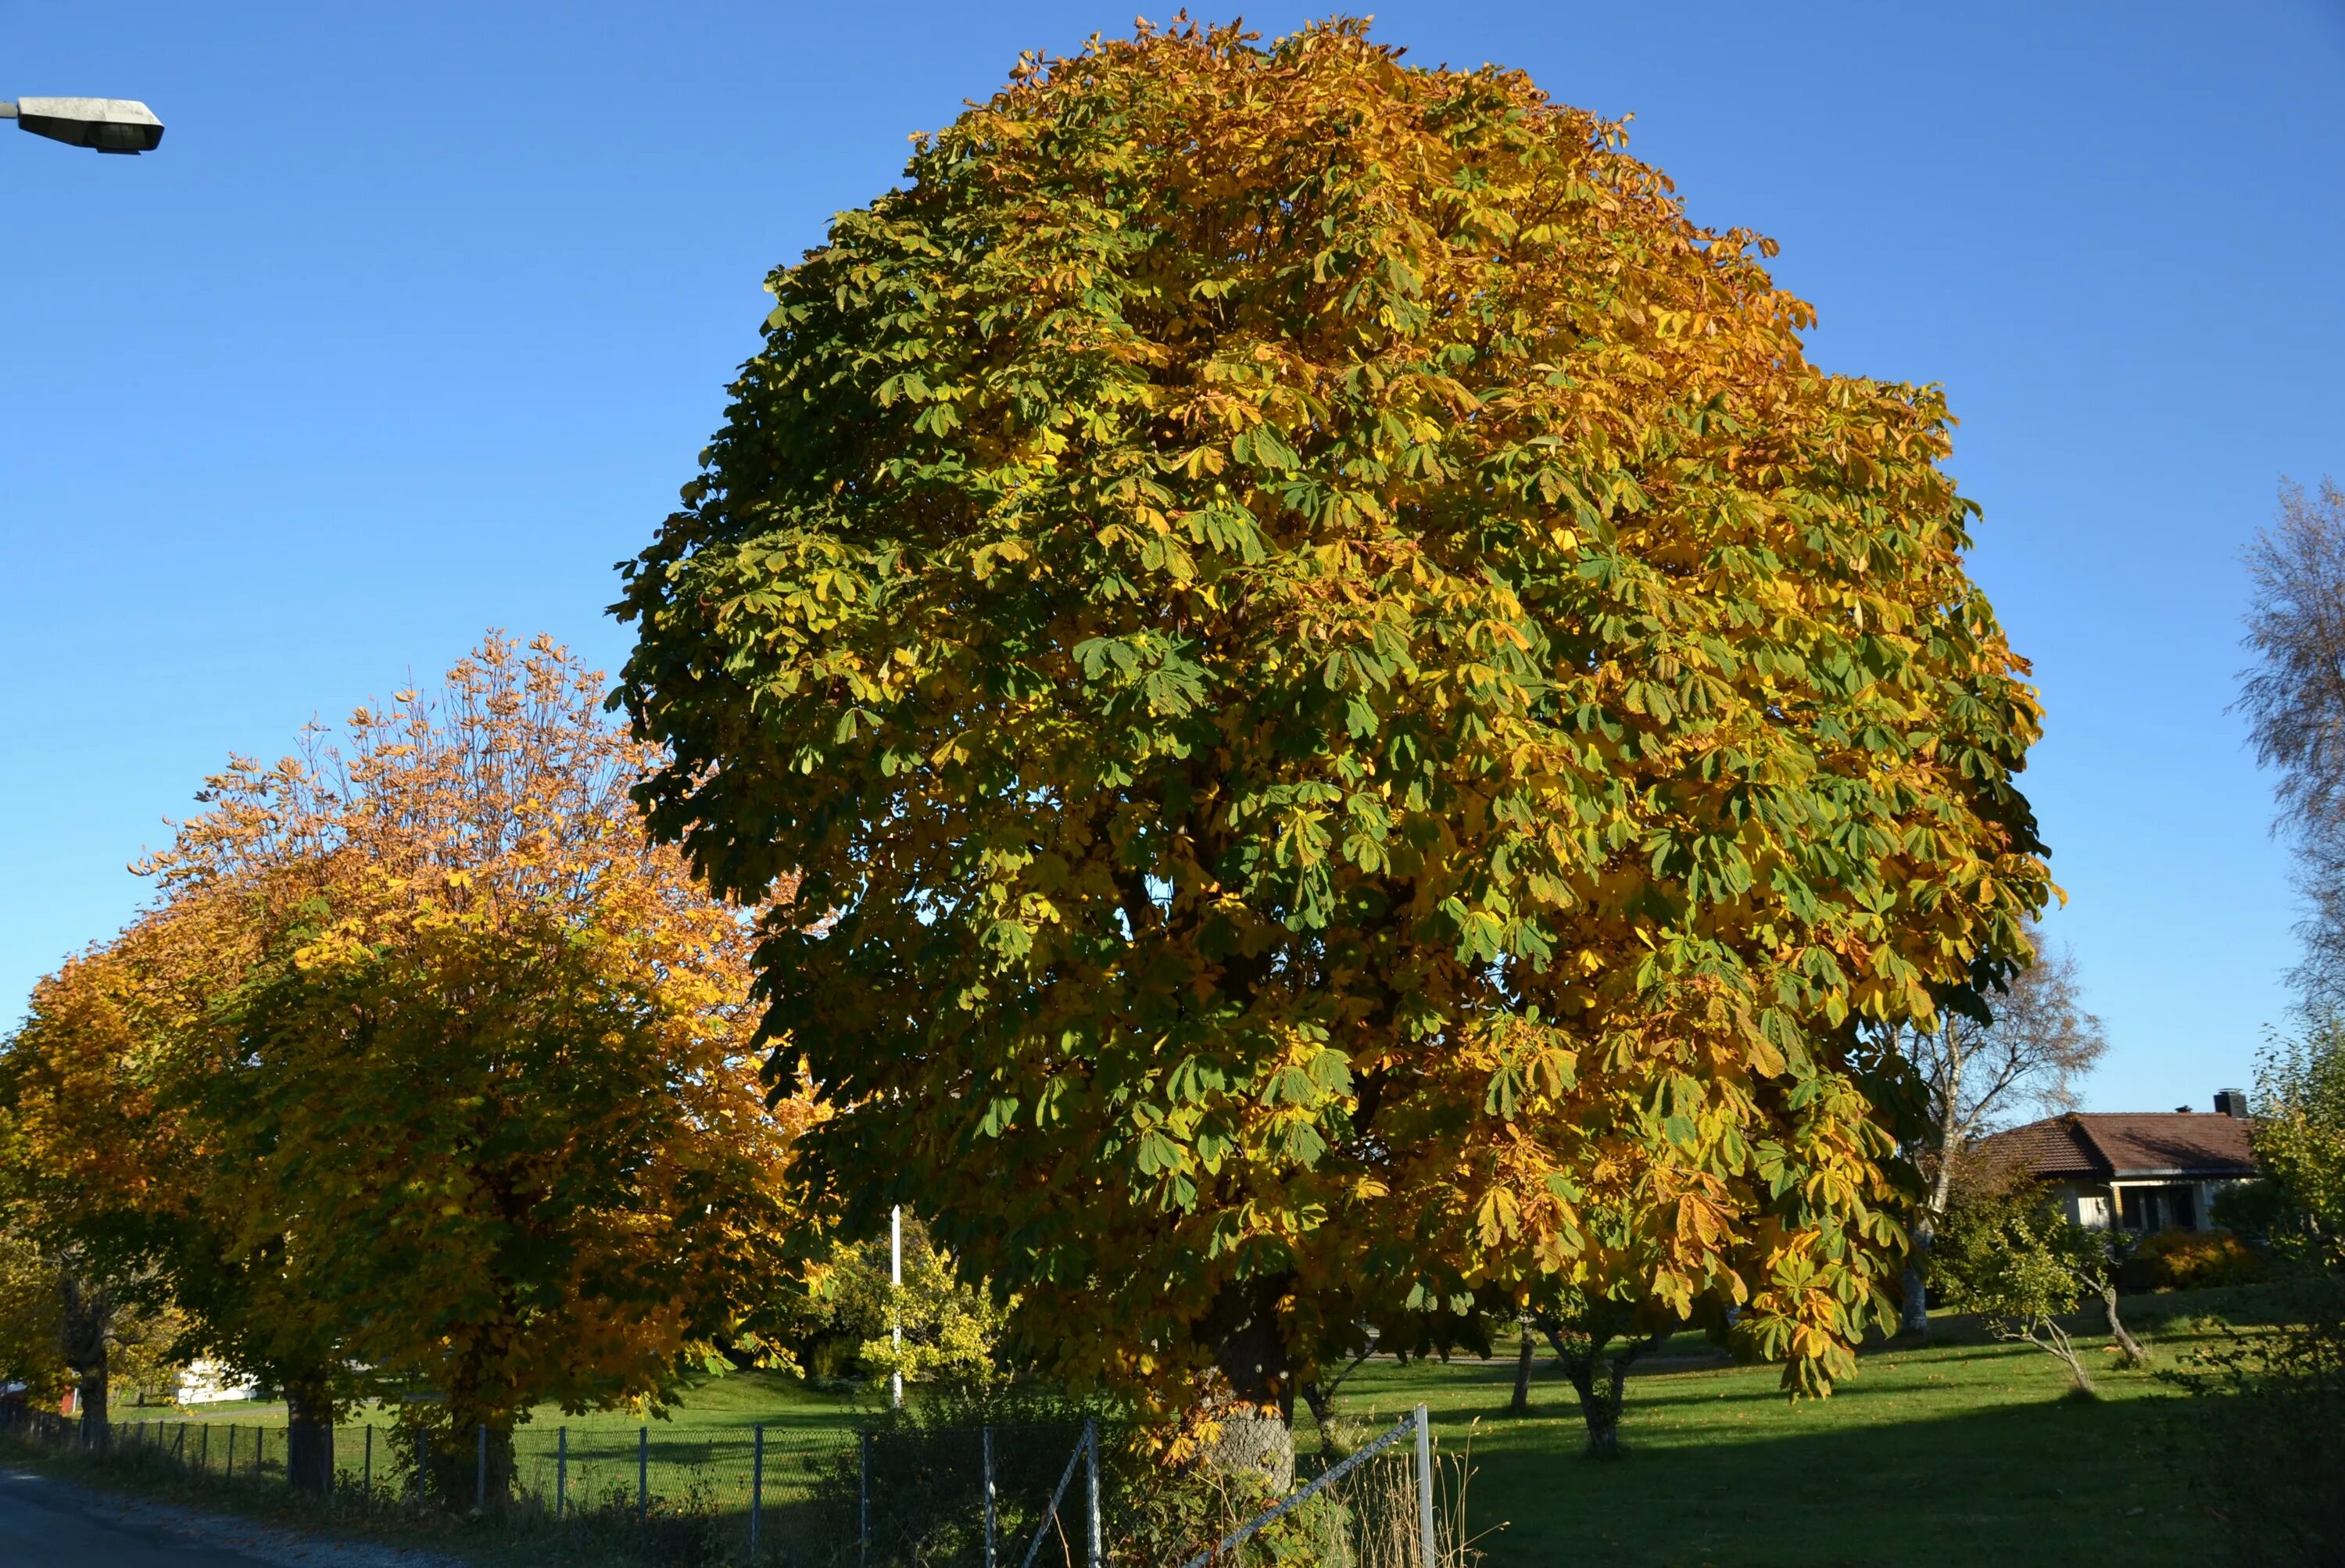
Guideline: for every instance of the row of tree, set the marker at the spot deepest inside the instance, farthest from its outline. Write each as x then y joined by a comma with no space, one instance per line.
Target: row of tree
1312,727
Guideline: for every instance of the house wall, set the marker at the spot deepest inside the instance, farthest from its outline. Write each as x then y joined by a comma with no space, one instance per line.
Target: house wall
205,1382
2089,1204
2096,1205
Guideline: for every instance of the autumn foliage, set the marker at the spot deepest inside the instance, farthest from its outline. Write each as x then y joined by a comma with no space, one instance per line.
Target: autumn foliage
427,1070
1350,704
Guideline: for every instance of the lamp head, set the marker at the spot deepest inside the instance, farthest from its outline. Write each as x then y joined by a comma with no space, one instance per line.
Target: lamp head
106,125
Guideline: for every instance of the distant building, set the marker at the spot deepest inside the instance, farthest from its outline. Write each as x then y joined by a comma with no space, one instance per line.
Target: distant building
2135,1170
205,1382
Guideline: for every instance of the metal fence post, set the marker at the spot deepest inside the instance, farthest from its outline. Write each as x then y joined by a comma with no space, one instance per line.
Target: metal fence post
863,1506
422,1461
756,1484
480,1469
1424,1489
988,1497
365,1475
1095,1558
229,1472
643,1473
561,1473
204,1450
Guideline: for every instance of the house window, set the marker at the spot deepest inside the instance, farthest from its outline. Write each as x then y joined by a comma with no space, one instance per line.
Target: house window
2148,1208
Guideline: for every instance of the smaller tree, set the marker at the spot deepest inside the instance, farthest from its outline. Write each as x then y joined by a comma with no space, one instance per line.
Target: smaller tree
2299,1142
2293,698
2006,1253
950,1329
497,1066
426,1073
1598,1339
2027,1054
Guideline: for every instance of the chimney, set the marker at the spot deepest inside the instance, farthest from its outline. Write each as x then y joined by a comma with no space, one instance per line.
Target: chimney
2231,1102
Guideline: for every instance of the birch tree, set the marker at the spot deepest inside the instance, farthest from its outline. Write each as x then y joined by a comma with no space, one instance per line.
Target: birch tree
2293,697
2027,1056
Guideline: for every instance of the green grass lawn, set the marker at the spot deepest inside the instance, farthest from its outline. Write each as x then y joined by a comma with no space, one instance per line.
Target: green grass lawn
1961,1451
1955,1454
703,1444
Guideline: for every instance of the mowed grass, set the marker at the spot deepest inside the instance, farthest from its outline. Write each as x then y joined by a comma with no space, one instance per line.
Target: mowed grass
703,1444
735,1400
1952,1453
1959,1452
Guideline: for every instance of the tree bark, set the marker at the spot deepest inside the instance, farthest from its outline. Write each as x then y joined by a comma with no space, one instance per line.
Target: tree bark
1600,1400
1599,1380
2131,1348
453,1472
90,1396
87,1320
1520,1405
310,1438
1321,1404
2051,1337
1914,1316
1249,1347
1319,1397
1914,1319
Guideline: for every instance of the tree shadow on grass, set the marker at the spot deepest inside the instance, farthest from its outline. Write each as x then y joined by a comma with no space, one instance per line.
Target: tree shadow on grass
2048,1480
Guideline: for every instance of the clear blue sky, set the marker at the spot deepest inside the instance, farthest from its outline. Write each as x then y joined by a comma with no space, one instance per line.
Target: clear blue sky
418,320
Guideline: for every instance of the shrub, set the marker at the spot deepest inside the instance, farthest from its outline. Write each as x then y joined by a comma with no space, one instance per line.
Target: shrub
2188,1259
2268,1442
2255,1211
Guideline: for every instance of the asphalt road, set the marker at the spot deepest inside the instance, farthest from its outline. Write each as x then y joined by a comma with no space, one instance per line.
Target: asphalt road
40,1525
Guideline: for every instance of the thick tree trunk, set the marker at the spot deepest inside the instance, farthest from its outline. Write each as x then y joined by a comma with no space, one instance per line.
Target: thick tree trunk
87,1320
456,1476
1520,1405
1244,1335
1915,1318
310,1438
1255,1441
1599,1390
90,1396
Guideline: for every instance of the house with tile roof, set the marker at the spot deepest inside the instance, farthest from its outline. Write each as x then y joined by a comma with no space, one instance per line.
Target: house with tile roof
2135,1170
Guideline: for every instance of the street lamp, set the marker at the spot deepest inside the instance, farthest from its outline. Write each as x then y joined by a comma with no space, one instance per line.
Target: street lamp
108,124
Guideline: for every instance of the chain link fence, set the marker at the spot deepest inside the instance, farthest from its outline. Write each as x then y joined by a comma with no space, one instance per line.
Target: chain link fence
1015,1495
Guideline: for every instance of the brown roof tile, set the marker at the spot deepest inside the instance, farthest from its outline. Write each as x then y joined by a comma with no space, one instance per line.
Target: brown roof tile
2129,1142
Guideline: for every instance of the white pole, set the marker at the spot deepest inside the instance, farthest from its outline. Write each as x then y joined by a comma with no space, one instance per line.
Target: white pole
989,1498
1094,1557
895,1312
1425,1490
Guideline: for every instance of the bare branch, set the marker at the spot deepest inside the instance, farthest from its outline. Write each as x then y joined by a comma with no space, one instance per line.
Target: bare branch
2293,697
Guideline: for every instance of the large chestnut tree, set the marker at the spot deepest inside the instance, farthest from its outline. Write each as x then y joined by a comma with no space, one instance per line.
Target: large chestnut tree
1342,694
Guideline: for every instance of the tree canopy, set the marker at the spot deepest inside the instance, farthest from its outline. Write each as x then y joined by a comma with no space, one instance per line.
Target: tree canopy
1341,690
2293,696
427,1070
